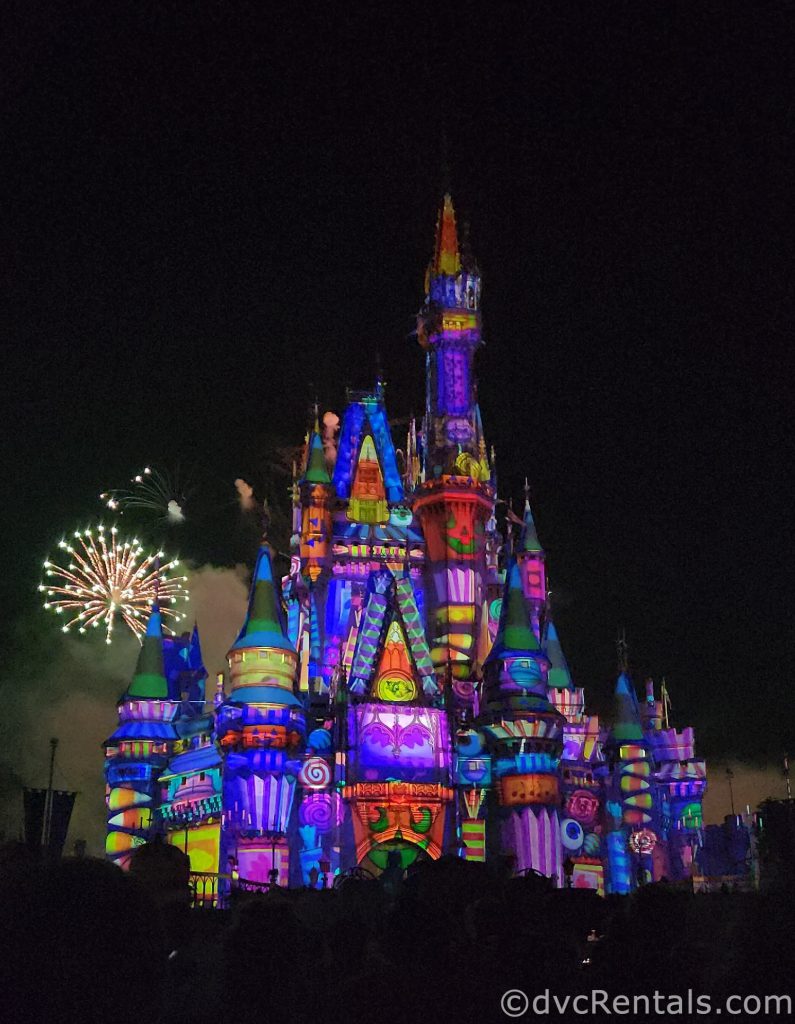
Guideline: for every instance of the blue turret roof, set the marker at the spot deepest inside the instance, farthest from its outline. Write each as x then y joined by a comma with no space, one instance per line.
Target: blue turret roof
367,414
263,626
559,675
626,717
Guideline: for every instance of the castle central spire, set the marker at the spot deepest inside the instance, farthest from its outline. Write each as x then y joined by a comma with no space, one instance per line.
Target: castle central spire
448,327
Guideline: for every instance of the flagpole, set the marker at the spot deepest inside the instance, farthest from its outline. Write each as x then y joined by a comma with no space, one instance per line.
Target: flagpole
45,842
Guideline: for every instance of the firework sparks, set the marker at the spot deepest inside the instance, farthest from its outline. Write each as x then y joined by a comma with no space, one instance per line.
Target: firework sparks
108,578
153,491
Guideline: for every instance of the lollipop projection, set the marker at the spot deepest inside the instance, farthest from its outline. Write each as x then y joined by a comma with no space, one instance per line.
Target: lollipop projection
108,578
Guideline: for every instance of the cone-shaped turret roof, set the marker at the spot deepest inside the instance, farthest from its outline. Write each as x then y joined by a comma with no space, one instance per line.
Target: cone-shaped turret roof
263,626
559,677
316,469
528,538
446,257
626,715
515,636
194,659
149,681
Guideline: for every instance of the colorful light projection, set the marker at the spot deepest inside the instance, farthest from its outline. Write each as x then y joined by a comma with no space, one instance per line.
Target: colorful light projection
643,842
619,865
368,494
392,742
399,590
202,844
404,811
520,790
533,834
257,802
588,873
315,529
257,856
635,785
394,678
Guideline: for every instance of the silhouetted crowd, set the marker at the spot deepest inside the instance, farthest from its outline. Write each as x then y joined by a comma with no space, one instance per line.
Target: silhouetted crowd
84,941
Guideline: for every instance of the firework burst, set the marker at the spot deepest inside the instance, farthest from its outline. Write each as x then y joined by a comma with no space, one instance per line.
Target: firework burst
151,491
108,578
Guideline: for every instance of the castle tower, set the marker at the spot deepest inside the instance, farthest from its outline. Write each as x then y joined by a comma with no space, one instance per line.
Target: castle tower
191,785
261,729
531,558
139,750
681,781
315,492
630,809
525,738
456,498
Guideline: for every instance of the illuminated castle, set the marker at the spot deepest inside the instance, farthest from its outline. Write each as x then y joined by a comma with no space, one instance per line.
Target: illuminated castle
402,693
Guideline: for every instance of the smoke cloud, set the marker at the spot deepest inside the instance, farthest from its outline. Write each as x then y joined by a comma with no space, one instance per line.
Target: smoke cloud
245,493
61,685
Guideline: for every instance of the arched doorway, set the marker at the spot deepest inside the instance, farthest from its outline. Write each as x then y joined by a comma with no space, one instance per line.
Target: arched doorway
394,855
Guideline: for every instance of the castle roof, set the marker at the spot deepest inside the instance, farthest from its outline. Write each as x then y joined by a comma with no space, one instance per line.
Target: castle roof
559,676
316,469
446,256
149,681
626,715
263,626
528,538
515,636
366,415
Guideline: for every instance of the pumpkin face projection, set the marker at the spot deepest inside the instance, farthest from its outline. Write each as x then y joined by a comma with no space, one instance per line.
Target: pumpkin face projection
462,534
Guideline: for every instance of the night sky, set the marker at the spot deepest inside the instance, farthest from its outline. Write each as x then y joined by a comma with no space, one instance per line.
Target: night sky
212,216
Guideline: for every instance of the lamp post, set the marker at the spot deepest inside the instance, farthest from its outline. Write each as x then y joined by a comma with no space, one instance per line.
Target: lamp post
730,776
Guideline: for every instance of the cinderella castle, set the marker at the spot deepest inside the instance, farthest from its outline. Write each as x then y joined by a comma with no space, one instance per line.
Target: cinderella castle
402,693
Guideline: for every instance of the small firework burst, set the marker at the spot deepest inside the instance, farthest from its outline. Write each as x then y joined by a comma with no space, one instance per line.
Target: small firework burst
151,491
108,578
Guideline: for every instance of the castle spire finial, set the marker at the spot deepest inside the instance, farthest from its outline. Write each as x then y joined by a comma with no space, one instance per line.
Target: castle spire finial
622,650
446,257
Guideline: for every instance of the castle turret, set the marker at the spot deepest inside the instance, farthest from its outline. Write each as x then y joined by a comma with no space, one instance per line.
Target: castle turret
630,809
681,779
456,498
525,737
531,558
139,749
261,728
449,331
315,491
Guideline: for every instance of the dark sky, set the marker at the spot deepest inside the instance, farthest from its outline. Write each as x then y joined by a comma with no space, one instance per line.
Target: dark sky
211,214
